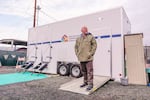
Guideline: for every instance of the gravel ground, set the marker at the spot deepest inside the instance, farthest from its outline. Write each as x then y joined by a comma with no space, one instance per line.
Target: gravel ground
47,89
7,69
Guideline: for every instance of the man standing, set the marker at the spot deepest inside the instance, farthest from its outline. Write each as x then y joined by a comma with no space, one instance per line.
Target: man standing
85,48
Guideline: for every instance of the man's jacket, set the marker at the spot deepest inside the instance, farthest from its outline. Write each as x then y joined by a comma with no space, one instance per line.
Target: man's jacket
85,47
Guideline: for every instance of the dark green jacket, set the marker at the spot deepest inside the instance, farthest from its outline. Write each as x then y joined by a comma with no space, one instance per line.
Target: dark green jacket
85,47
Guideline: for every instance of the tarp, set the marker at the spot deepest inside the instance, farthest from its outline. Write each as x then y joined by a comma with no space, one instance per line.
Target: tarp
19,77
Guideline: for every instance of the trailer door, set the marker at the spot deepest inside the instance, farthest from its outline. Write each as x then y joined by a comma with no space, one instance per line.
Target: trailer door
32,53
102,58
46,52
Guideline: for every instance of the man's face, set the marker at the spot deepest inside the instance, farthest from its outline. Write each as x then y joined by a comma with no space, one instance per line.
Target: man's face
84,30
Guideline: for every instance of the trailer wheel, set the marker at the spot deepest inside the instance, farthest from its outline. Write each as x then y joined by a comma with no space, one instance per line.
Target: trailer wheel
63,69
75,71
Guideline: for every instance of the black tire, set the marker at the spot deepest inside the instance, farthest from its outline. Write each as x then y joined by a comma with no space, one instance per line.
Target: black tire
63,69
75,71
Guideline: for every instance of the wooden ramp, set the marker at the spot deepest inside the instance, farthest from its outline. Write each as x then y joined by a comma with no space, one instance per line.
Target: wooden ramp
74,85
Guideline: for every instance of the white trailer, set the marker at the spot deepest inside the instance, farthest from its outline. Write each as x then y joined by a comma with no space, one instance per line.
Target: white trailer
54,42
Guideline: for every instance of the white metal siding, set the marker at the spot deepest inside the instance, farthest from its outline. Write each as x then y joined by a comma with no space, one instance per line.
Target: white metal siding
110,23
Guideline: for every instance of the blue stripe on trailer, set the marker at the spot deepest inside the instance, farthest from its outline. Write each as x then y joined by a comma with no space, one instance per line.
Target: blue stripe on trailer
96,37
105,36
35,44
39,43
58,41
46,42
116,35
32,44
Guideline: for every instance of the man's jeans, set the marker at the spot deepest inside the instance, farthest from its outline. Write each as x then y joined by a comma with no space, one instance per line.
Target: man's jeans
87,71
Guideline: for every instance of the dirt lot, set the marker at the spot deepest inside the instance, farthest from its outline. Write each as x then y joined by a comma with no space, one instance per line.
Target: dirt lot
47,89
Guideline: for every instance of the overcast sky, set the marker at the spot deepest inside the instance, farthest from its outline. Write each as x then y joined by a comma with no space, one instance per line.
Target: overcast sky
16,15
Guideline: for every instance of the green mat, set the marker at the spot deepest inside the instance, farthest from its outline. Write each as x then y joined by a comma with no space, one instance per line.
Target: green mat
19,77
